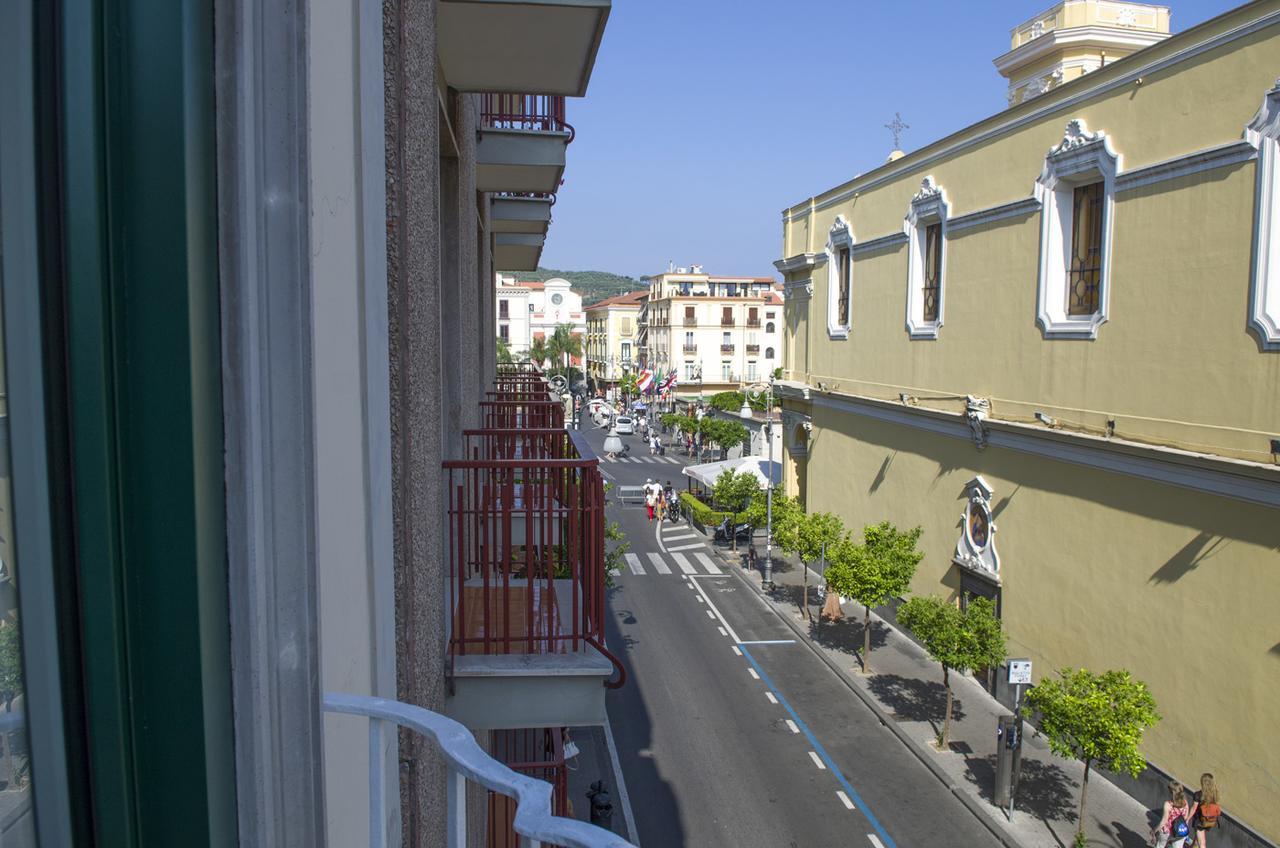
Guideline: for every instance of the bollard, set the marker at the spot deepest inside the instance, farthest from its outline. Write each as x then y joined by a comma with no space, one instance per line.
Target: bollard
601,805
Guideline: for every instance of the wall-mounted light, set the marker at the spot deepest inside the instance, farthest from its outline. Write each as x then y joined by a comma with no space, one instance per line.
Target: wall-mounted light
1046,420
1275,451
904,398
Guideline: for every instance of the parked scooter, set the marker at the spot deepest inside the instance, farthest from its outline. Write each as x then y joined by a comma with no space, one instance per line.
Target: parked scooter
741,531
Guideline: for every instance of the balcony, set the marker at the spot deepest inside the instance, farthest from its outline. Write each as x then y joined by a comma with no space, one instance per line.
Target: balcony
521,212
726,348
517,251
727,322
691,348
522,143
753,322
753,348
690,322
547,46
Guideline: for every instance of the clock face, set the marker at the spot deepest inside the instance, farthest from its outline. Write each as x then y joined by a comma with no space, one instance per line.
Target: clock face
557,298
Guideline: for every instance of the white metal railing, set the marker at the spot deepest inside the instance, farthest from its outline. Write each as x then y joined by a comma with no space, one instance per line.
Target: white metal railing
465,760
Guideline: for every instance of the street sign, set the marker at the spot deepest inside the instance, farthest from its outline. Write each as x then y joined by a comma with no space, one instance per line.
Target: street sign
1019,672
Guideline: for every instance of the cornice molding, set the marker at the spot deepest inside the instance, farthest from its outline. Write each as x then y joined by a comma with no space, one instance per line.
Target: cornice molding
800,262
883,242
1056,39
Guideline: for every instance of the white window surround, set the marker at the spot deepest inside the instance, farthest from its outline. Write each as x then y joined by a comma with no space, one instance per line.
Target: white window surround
1082,157
928,206
839,236
1263,132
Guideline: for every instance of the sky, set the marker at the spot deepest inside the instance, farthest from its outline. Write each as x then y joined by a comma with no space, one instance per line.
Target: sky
704,119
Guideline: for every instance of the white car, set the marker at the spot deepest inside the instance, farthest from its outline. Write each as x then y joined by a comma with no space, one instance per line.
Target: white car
624,425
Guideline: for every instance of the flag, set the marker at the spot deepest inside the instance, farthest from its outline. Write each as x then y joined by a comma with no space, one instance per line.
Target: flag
644,380
669,383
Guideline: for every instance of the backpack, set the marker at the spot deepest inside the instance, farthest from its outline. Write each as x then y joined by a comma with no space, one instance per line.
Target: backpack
1207,815
1178,824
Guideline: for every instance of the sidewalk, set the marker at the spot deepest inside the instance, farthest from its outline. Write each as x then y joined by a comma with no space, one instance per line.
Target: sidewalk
906,689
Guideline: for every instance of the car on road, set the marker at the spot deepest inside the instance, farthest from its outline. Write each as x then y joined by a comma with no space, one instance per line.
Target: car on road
624,425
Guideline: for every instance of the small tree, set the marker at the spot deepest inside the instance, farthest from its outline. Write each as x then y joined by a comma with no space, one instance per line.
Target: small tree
504,351
1095,718
539,353
810,537
875,572
734,491
723,433
961,640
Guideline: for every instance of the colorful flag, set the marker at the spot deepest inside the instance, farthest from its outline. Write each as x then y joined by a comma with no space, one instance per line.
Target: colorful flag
644,380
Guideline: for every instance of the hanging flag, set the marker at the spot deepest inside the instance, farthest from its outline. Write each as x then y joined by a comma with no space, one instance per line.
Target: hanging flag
673,381
644,380
669,382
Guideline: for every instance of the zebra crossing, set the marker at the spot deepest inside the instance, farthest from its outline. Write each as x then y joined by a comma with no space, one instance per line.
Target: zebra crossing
651,458
672,562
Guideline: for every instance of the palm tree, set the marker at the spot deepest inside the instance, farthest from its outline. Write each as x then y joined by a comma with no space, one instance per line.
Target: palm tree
539,353
504,351
563,345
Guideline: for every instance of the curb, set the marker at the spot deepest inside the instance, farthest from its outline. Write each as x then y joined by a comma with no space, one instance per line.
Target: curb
972,805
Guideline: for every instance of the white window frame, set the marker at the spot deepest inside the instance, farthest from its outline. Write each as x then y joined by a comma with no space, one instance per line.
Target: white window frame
1082,157
1263,132
928,206
839,236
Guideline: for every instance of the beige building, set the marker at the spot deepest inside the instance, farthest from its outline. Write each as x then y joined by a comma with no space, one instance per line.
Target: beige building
1061,326
717,332
613,327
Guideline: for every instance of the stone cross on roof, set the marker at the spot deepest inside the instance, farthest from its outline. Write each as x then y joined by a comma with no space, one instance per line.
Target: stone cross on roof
896,127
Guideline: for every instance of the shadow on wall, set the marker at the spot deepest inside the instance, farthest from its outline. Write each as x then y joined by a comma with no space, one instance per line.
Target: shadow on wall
882,473
1199,549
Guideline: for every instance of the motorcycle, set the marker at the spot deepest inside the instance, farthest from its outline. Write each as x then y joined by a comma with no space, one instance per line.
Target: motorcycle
674,512
742,532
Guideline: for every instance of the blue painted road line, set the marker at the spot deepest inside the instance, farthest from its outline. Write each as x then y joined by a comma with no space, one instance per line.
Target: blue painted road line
770,642
822,752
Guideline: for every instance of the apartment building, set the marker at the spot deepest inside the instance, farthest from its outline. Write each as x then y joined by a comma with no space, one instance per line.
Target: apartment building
613,329
248,260
1062,325
533,310
716,332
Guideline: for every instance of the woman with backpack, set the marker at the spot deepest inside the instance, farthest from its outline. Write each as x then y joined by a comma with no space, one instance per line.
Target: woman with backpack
1175,817
1207,809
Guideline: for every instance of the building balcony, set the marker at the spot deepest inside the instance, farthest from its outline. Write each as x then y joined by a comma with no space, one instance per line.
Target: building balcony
517,251
546,46
691,348
726,348
521,212
753,322
690,322
522,143
727,322
753,348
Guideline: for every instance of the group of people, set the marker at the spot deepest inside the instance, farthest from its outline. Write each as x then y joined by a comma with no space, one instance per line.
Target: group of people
1186,819
660,500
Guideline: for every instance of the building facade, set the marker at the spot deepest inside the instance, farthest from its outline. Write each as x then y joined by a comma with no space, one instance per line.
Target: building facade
1062,324
612,339
229,428
716,332
533,310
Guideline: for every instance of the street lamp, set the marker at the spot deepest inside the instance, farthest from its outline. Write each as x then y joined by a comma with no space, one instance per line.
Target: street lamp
750,393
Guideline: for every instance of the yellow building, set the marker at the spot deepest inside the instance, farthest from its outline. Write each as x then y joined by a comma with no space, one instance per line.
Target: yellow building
612,330
1052,339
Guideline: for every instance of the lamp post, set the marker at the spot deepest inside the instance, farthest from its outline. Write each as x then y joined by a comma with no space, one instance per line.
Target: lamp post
750,393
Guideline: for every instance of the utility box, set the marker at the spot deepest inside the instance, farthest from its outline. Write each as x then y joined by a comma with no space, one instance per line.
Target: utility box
1008,743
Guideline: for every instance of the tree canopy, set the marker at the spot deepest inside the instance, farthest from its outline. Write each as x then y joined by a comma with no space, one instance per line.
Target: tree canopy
875,572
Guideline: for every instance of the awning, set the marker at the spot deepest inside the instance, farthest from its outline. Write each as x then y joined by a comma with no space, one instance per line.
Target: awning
707,473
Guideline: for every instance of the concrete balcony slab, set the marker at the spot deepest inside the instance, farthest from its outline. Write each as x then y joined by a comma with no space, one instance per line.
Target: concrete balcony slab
517,251
520,160
520,215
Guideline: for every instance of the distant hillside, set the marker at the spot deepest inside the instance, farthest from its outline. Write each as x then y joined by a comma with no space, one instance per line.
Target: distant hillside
592,285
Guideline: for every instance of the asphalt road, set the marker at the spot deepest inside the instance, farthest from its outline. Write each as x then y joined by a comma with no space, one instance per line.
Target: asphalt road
729,732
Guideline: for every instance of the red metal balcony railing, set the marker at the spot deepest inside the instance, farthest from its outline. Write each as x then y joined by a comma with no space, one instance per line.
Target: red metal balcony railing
524,443
521,391
538,753
538,112
526,544
516,414
530,195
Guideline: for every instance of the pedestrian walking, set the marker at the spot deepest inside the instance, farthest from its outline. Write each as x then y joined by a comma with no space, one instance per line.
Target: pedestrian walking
661,503
650,499
1206,809
1173,829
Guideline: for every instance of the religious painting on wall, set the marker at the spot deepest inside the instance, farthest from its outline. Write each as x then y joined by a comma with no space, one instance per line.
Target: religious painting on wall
976,548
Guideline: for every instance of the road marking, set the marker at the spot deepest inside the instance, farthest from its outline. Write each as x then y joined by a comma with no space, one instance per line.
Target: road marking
771,642
874,841
634,562
753,672
792,725
732,635
681,536
699,597
817,761
685,547
684,564
770,696
661,566
737,650
844,799
723,632
707,563
821,753
711,615
621,783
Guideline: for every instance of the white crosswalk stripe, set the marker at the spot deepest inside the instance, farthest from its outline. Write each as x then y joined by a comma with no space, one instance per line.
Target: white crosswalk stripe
684,548
634,562
707,563
684,564
679,537
658,563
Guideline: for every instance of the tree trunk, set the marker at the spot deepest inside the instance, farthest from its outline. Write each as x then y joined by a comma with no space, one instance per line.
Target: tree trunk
804,593
1084,796
831,607
866,640
945,741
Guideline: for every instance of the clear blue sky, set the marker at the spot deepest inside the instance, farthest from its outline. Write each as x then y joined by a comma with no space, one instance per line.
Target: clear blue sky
705,118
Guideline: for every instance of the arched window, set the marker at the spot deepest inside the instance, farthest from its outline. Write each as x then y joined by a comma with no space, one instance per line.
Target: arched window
768,353
768,328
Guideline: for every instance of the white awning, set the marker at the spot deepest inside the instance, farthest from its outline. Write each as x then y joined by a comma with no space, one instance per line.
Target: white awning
707,473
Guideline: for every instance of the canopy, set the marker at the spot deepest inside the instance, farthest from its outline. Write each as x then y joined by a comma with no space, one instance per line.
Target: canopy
707,473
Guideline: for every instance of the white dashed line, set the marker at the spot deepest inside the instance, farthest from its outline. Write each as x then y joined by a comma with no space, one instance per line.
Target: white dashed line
817,761
874,841
753,673
771,697
792,725
711,615
723,632
738,651
844,799
732,634
700,599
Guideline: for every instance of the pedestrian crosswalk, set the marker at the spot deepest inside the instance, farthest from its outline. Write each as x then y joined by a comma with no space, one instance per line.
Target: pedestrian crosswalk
649,458
695,563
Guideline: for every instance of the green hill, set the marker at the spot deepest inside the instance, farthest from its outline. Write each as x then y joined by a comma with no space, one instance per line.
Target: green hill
594,286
